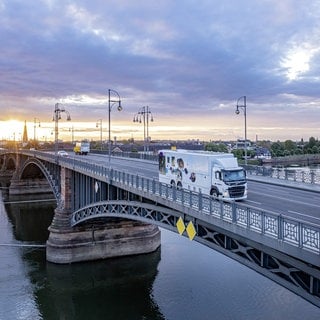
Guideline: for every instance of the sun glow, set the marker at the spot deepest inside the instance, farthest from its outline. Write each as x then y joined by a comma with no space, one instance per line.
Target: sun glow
11,129
297,62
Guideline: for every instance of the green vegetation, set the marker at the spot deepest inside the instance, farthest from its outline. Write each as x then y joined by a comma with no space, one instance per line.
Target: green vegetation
289,147
261,148
240,153
221,147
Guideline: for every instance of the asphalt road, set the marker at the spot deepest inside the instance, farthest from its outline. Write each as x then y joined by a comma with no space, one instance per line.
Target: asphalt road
296,203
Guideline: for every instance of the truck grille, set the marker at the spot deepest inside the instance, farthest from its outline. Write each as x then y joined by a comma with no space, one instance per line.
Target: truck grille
236,191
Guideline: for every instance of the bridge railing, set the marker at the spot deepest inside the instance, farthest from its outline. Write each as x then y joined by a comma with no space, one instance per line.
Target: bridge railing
299,233
304,175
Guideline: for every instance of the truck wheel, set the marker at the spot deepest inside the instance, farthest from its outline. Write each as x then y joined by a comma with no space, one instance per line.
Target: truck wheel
179,185
214,192
172,184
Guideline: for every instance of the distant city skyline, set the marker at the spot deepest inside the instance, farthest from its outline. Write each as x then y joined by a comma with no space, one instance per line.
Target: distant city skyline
87,130
189,61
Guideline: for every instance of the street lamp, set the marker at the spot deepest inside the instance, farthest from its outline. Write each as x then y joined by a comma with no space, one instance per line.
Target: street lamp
110,105
72,134
143,114
99,124
56,117
244,107
35,122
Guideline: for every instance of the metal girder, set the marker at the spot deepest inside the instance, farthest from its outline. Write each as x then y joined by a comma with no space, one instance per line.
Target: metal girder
126,209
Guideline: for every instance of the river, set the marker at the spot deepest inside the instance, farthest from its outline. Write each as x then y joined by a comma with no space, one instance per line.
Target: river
182,280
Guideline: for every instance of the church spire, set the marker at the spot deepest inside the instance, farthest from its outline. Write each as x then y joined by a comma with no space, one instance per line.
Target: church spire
25,133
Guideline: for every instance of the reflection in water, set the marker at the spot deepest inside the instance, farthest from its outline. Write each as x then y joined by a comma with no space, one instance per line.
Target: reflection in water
107,289
31,216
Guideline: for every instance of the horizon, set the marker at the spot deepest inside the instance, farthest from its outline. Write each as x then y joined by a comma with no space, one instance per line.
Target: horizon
92,133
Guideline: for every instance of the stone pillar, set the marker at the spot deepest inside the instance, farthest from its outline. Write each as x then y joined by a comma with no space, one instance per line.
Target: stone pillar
116,237
60,236
66,176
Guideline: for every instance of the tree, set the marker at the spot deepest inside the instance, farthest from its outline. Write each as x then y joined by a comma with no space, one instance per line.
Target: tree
277,149
312,142
221,147
238,153
290,145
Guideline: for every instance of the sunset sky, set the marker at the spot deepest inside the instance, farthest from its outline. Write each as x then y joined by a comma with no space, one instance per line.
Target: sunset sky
188,60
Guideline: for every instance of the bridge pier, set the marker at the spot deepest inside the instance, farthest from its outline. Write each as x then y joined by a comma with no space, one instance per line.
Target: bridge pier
112,238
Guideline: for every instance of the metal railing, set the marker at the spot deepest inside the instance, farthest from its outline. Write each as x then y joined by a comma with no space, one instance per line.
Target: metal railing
303,175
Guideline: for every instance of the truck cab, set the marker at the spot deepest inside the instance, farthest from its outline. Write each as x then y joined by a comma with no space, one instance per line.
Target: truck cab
231,183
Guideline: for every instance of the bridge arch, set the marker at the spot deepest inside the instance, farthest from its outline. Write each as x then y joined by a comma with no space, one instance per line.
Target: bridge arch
35,169
11,163
8,162
133,210
31,171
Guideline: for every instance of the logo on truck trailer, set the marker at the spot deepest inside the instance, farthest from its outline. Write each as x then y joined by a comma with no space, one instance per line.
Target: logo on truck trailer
216,174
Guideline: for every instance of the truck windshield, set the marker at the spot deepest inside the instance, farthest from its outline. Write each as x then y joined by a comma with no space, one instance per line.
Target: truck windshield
233,175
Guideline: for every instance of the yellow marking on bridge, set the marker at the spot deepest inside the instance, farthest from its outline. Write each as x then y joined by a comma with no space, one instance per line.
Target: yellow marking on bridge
180,226
191,231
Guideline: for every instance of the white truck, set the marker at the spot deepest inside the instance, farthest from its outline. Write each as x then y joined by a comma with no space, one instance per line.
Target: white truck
216,174
82,148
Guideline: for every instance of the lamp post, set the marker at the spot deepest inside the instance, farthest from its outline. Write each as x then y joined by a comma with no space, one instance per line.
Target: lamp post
35,122
110,105
99,125
56,117
143,114
72,134
244,107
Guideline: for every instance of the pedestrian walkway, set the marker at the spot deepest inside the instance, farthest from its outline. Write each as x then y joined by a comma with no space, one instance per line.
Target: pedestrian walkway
285,183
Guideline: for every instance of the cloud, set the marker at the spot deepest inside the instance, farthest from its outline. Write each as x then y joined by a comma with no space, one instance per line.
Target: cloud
185,59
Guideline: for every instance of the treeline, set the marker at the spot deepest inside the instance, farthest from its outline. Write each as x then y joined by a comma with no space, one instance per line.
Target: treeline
277,149
289,147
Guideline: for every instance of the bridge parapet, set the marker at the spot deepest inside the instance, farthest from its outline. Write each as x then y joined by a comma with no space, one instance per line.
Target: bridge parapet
302,174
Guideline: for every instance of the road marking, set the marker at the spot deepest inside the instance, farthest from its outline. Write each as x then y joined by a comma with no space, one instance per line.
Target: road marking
287,199
303,214
255,202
